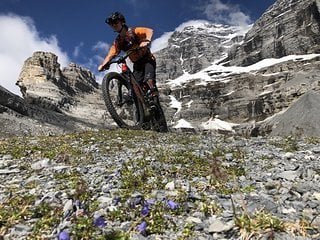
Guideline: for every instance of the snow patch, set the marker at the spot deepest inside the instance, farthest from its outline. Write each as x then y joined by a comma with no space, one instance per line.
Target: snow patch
175,104
183,124
217,72
217,124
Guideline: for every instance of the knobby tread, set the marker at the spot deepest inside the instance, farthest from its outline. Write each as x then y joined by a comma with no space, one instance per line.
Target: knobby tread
107,99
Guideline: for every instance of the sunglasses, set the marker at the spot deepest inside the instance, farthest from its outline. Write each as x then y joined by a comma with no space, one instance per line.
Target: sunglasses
112,22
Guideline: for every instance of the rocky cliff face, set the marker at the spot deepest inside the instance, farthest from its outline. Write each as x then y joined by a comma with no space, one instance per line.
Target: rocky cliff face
42,82
196,47
243,95
247,96
286,28
54,100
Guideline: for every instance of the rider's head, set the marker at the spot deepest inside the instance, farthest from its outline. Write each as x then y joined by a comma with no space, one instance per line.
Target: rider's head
115,18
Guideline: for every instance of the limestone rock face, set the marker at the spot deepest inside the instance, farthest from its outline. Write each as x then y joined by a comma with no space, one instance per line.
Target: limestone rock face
42,82
39,80
11,101
288,27
81,80
246,97
300,118
196,47
54,100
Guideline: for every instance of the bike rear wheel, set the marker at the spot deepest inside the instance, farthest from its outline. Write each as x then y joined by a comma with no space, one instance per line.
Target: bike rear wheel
125,109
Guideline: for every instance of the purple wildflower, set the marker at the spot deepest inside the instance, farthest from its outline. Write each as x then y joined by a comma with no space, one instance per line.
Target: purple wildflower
100,222
141,228
145,210
172,205
64,235
150,202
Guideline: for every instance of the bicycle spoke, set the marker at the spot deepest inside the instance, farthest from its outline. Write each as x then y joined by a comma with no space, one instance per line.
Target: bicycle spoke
123,103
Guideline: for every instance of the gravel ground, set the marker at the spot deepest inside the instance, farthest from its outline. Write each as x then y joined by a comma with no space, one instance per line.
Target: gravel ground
143,185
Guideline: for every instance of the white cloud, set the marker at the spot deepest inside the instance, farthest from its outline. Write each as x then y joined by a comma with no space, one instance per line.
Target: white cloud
19,39
219,12
101,49
101,46
161,42
77,50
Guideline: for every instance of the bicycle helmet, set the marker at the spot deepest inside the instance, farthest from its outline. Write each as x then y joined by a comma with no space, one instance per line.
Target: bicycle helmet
114,18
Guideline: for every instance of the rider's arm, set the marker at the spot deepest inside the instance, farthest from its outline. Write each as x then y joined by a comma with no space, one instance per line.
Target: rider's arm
114,51
144,34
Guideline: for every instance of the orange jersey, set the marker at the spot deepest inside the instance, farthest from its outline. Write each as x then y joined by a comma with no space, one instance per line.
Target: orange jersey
132,39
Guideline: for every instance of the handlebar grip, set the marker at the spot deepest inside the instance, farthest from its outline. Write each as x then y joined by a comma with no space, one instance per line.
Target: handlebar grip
105,67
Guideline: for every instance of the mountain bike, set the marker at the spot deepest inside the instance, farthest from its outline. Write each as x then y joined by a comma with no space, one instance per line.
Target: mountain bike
128,102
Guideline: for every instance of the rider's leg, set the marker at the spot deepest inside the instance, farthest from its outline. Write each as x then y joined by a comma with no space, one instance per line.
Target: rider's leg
152,87
150,76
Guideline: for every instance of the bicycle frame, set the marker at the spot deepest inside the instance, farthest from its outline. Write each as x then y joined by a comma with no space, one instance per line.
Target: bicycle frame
150,114
127,74
135,86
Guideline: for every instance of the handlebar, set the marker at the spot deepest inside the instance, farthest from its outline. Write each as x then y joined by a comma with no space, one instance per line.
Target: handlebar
121,59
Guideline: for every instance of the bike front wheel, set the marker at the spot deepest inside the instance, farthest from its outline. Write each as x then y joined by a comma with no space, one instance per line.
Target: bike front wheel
125,109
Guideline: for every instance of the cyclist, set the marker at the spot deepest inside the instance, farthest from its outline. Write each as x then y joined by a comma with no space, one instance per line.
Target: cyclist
144,62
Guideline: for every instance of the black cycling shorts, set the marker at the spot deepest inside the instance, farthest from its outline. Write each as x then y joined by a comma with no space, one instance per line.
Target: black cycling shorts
145,69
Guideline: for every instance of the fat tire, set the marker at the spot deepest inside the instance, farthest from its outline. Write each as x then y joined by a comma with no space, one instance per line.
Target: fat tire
110,105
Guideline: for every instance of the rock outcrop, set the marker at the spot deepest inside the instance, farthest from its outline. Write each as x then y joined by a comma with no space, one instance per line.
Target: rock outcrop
11,101
54,100
196,47
42,82
288,27
247,96
299,119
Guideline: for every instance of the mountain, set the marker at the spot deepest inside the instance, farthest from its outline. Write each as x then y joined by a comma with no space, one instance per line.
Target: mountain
286,28
240,79
195,47
54,100
256,80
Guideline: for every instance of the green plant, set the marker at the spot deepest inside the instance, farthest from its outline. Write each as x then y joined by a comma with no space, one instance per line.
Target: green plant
252,225
14,210
312,140
48,215
288,144
187,232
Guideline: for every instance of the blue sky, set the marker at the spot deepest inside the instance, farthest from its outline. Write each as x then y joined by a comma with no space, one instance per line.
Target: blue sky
76,32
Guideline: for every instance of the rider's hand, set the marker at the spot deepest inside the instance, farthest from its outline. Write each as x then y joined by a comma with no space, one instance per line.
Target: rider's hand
144,43
100,68
103,67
